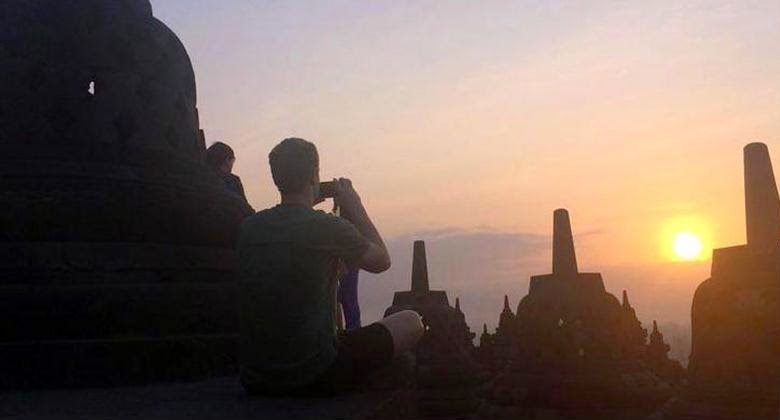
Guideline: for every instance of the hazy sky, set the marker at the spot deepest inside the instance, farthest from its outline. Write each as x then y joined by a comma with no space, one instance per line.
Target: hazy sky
468,123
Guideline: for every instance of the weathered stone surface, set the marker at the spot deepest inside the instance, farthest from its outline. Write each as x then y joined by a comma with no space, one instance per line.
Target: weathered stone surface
568,317
572,348
121,162
564,257
220,398
736,313
96,79
446,376
57,201
762,203
657,357
420,296
734,366
115,240
115,361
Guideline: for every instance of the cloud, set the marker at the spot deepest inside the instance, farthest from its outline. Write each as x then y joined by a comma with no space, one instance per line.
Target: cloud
477,265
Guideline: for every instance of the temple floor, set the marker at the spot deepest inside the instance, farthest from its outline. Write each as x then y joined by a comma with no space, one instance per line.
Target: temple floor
218,398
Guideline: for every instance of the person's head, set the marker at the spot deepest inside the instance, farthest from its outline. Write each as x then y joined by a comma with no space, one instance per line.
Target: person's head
220,157
295,167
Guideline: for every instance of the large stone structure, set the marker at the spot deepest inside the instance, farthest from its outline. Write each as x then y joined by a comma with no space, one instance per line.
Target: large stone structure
657,358
572,348
420,297
115,240
735,354
445,325
446,374
575,307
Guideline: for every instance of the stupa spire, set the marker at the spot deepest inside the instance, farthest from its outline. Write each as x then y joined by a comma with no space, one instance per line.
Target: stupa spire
655,327
564,257
484,329
506,303
626,303
419,269
457,303
762,204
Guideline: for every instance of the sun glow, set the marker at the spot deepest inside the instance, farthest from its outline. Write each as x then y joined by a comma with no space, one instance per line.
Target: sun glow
687,246
687,238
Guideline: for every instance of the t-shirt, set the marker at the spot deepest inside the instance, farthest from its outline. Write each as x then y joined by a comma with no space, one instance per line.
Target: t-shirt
287,262
234,185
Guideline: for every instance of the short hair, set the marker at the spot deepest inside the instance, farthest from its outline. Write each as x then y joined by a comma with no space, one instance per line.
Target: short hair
294,162
217,154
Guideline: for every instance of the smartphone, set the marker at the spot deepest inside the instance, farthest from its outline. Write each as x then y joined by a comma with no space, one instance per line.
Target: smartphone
327,189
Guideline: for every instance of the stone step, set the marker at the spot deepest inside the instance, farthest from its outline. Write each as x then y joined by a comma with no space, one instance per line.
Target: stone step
48,312
114,362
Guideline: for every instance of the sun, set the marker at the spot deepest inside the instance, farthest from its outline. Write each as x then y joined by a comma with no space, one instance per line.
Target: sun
688,246
685,238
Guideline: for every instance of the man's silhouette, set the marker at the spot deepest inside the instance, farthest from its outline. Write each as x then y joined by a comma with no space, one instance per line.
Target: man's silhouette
288,262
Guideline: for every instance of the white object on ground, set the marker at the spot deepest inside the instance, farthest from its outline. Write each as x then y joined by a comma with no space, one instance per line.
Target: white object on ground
406,328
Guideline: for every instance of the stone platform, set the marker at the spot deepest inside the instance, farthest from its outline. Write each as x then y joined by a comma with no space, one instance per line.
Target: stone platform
220,398
103,314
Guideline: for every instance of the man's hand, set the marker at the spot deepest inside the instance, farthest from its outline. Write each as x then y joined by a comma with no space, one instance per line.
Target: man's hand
375,259
347,199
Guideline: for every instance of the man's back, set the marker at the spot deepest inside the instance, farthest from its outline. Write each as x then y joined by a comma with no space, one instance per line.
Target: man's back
287,261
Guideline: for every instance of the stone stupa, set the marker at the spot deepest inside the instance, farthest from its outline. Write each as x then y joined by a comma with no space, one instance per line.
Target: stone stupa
571,348
446,375
735,354
116,241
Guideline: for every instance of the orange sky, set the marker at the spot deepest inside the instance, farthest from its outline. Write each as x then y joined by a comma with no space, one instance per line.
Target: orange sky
486,116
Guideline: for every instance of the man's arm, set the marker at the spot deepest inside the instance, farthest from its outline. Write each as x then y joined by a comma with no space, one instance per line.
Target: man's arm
376,258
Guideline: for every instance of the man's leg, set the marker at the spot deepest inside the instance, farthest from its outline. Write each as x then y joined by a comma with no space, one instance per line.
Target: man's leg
367,349
374,346
406,329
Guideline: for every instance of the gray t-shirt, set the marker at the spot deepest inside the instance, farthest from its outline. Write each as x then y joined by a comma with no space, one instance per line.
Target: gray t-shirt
287,262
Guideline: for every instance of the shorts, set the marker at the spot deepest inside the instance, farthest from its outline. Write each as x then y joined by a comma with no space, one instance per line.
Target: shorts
358,353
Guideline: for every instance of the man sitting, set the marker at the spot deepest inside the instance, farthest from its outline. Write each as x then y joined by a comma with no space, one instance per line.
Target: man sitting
288,261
